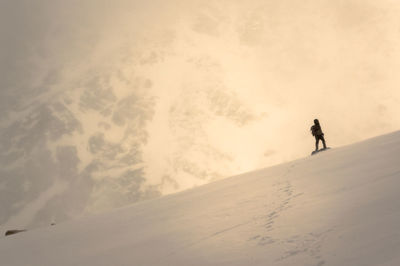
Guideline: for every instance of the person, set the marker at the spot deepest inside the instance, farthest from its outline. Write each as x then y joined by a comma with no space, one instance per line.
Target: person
318,134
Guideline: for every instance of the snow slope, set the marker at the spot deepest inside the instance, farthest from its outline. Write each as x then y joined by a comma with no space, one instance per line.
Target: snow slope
340,207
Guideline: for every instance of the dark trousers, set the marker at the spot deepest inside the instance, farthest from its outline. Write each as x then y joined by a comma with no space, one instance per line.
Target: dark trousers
317,138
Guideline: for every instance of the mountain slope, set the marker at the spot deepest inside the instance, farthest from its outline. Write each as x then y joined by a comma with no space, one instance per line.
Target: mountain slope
340,207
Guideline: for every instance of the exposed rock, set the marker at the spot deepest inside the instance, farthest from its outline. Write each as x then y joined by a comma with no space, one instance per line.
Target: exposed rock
12,232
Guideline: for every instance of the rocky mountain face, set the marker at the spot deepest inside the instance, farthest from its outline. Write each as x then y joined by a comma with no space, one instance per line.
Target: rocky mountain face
81,138
61,153
103,105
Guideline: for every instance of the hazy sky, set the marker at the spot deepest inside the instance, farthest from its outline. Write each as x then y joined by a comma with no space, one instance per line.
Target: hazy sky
232,85
333,59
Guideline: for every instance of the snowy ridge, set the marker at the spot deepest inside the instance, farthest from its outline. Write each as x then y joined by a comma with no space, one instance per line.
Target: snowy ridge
340,207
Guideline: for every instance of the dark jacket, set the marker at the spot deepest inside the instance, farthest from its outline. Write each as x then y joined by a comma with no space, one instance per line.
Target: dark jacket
316,129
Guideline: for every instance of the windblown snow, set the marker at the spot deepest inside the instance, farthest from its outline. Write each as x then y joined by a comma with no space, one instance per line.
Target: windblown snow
340,207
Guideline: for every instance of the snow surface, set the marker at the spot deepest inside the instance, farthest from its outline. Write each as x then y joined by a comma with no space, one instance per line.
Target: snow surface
340,207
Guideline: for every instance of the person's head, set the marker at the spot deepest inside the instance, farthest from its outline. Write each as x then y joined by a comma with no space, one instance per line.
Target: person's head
316,122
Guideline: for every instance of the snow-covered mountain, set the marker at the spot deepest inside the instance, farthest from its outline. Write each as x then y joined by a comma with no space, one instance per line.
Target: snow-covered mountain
340,207
111,124
103,105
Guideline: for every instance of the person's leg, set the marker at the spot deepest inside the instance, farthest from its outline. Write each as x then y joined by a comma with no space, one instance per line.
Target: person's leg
316,142
323,141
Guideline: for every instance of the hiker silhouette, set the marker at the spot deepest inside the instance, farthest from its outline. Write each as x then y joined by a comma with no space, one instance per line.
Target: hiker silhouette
318,134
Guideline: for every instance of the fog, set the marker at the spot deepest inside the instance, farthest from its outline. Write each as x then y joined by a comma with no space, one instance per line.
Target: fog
106,103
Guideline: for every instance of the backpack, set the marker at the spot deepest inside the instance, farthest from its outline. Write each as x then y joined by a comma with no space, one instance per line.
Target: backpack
313,130
316,131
